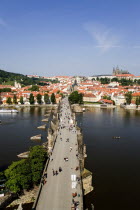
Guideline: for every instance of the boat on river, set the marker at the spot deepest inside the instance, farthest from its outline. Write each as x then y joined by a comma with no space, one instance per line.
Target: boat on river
8,111
116,137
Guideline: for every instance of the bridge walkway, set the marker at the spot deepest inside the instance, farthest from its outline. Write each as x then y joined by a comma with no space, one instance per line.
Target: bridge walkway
57,192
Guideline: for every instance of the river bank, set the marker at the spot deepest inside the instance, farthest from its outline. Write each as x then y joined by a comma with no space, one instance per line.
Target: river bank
28,105
100,106
79,108
28,197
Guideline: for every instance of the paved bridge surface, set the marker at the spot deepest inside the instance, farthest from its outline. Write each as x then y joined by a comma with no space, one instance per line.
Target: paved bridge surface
57,192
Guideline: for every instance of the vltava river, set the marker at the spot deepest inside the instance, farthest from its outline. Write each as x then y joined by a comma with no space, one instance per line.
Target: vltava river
115,163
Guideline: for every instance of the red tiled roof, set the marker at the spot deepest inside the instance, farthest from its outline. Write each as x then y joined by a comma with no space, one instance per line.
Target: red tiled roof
125,75
106,101
136,94
89,95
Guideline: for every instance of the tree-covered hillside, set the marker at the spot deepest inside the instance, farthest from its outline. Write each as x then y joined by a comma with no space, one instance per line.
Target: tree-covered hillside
9,78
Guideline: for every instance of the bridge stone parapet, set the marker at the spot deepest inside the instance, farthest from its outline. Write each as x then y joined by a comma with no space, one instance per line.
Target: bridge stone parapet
85,174
52,132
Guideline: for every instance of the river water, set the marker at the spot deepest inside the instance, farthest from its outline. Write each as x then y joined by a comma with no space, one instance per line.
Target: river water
16,130
115,163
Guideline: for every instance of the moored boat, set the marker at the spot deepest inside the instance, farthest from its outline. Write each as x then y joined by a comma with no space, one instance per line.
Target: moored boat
116,137
8,111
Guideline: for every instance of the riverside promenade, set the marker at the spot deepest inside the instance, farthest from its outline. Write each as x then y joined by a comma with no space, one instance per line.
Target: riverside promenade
57,193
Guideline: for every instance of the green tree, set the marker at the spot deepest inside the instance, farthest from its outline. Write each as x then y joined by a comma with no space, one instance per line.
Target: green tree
15,99
9,101
5,90
75,98
34,88
107,97
23,174
62,95
138,101
80,98
113,102
46,98
0,99
37,157
138,82
18,176
128,97
31,99
21,100
39,97
53,100
105,80
126,82
114,79
2,175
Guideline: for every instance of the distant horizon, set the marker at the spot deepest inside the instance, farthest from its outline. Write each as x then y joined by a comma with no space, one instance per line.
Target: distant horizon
99,74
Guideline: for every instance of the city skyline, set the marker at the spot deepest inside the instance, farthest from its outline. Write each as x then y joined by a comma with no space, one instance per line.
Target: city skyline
51,38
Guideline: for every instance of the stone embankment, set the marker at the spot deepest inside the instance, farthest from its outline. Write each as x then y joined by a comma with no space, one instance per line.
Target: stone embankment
52,131
28,197
81,108
77,108
5,200
132,106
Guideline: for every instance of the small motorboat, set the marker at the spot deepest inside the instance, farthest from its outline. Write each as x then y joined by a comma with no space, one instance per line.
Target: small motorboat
116,137
8,111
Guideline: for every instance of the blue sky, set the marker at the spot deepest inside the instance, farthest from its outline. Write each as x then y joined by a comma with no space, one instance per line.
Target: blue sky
69,37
